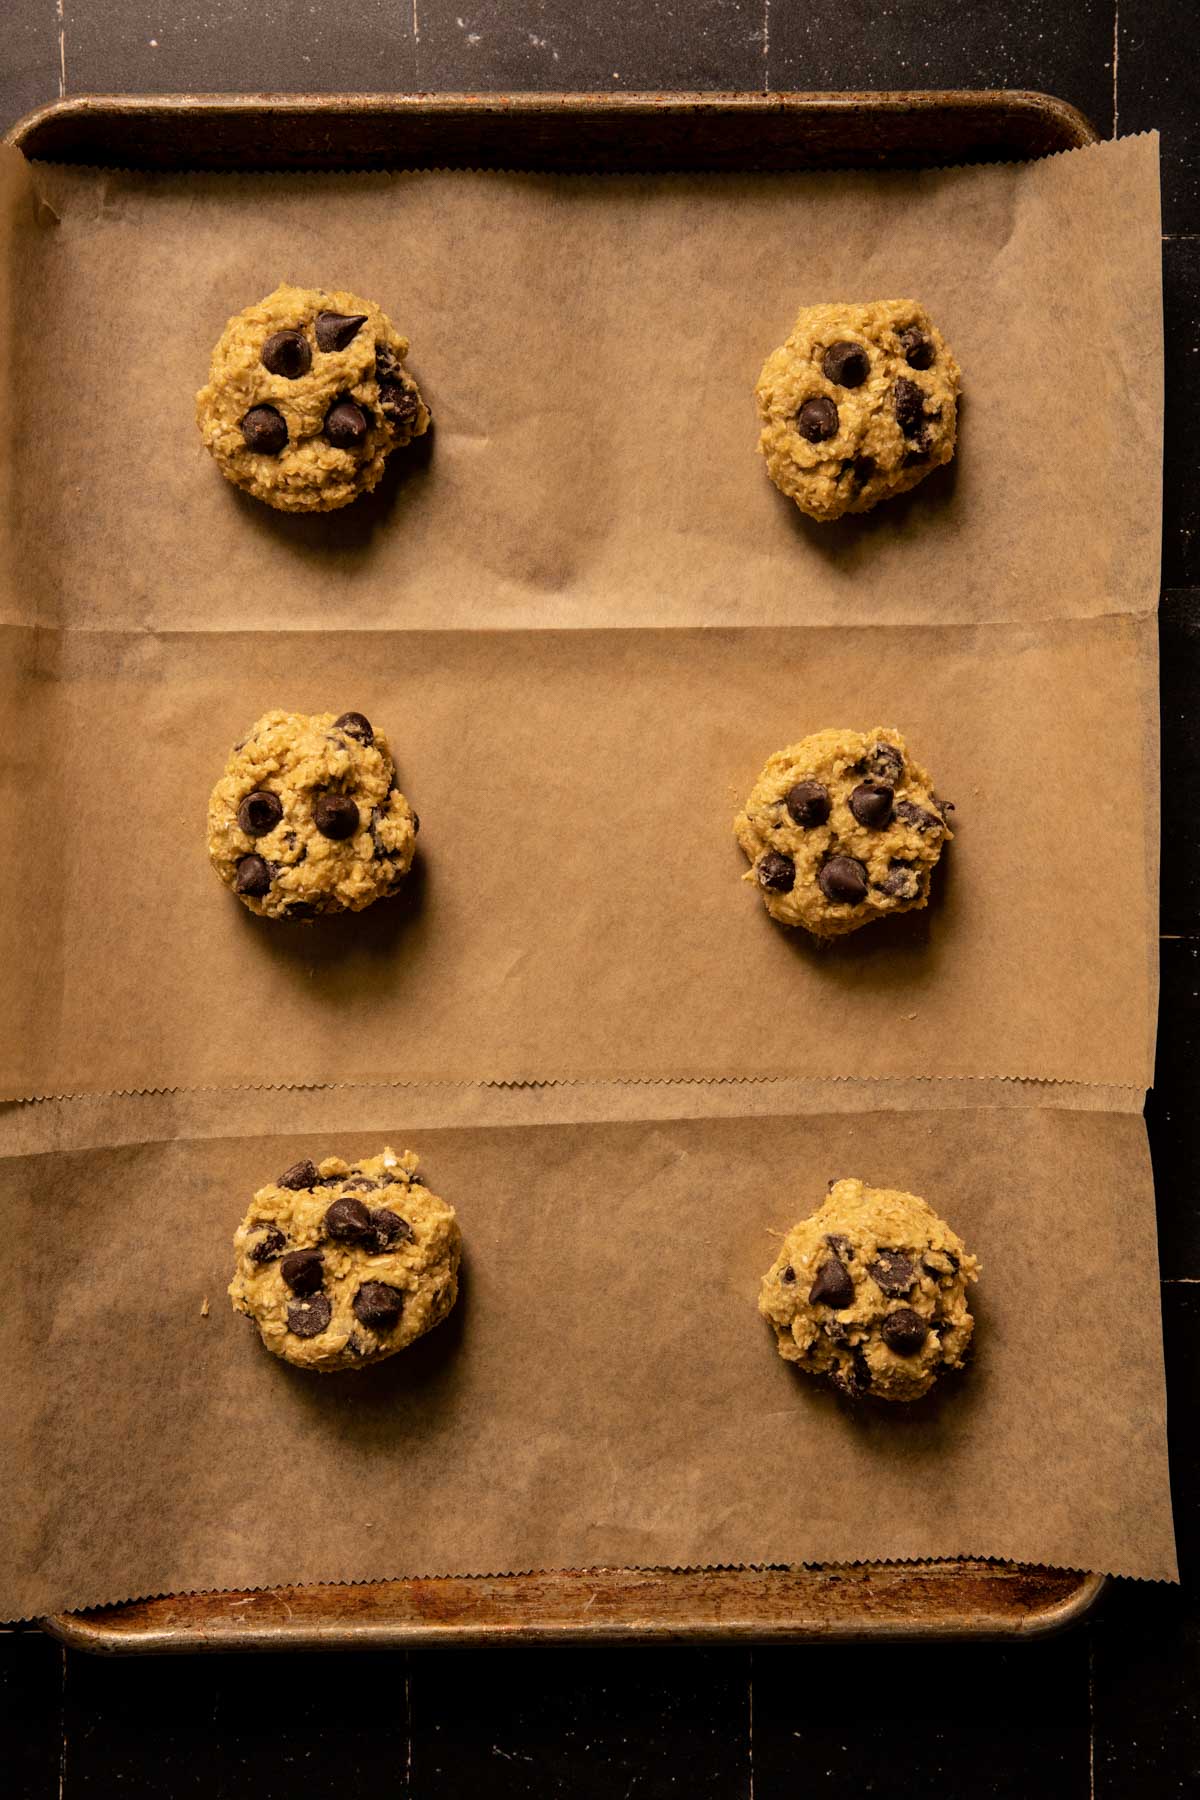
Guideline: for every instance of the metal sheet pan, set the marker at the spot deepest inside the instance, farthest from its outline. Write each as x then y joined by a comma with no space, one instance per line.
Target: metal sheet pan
611,132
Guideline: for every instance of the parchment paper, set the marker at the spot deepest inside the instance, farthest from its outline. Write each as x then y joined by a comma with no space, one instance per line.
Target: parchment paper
605,1392
577,907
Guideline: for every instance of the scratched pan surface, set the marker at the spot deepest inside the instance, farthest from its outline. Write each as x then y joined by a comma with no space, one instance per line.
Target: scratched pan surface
614,132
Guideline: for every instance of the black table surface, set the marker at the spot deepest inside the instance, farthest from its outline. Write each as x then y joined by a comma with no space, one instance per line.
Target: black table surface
1107,1710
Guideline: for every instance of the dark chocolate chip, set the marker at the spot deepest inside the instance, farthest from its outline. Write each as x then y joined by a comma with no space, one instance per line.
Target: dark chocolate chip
398,403
864,468
356,725
789,1275
303,1271
300,1175
253,877
336,330
910,407
389,1228
940,1263
834,1285
885,763
843,880
871,804
349,1221
901,882
846,364
308,1318
378,1305
360,1184
287,353
894,1272
854,1378
808,803
776,873
268,1246
264,430
918,818
916,346
817,419
841,1245
345,425
417,1179
260,812
335,815
904,1331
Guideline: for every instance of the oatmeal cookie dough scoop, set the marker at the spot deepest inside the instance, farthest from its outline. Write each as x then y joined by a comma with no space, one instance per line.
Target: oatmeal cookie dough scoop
342,1264
308,819
306,397
871,1292
842,828
859,404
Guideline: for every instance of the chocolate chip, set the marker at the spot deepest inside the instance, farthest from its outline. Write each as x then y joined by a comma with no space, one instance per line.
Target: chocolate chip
336,330
259,813
841,1245
848,365
300,1175
303,1271
912,457
349,1221
853,1379
398,403
834,1285
389,1228
871,804
253,877
910,407
918,818
308,1318
361,1184
416,823
885,763
817,419
894,1272
301,909
287,353
776,873
940,1263
808,803
901,882
335,816
904,1331
916,346
864,468
356,725
789,1275
345,425
843,880
264,430
378,1305
268,1246
417,1179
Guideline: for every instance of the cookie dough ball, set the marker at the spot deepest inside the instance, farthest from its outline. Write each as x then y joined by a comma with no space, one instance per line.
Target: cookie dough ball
872,1293
842,828
306,396
342,1264
308,819
859,404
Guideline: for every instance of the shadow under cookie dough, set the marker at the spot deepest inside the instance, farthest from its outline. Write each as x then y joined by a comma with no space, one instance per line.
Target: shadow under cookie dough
348,530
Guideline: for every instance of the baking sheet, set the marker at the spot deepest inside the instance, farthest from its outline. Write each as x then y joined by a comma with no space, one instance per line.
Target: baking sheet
605,1392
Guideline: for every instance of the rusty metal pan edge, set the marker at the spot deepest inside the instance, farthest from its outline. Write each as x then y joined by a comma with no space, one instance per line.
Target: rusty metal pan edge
553,130
731,1613
946,1600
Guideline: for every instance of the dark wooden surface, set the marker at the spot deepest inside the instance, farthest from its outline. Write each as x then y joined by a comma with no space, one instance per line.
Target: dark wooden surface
1110,1710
